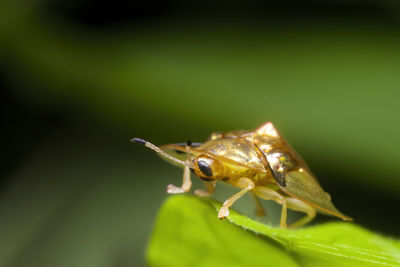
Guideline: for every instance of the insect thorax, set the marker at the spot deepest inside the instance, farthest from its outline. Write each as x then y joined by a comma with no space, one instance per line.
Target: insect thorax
233,150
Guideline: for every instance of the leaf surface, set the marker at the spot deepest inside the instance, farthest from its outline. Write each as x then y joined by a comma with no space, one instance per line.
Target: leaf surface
188,233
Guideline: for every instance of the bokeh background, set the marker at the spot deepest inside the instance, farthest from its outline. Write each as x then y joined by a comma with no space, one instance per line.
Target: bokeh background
80,78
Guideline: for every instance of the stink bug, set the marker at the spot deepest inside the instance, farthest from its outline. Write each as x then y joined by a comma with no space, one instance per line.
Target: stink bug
258,161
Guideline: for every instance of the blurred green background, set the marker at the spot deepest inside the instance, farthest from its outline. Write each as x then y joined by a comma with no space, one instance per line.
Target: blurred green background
80,78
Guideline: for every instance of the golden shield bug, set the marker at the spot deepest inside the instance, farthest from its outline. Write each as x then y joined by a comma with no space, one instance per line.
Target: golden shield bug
258,161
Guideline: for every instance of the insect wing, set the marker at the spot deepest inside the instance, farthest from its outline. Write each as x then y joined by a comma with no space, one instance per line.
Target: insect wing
290,171
301,184
294,179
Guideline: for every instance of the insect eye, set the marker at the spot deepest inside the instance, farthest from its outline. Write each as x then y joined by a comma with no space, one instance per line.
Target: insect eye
204,168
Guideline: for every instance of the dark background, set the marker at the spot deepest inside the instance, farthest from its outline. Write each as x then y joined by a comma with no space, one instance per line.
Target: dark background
80,78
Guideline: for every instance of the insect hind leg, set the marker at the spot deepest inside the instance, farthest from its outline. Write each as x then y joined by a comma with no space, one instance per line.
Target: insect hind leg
270,194
298,205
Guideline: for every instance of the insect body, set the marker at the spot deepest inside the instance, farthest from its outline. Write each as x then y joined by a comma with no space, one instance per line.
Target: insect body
258,161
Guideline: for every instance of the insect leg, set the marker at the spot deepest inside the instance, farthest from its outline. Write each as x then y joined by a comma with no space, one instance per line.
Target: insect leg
186,184
210,189
260,210
244,183
298,205
270,194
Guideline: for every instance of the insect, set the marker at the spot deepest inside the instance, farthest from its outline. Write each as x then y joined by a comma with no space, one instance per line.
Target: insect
259,161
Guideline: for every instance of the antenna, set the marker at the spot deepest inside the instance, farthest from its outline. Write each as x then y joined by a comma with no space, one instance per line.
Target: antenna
158,150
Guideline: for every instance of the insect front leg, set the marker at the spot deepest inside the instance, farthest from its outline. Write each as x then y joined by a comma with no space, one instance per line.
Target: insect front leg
186,184
210,189
298,205
244,183
270,194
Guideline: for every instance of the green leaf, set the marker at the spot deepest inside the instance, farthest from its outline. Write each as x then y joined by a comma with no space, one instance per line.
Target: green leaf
188,233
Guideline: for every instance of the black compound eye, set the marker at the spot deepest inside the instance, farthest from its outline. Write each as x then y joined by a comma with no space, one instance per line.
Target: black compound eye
204,168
